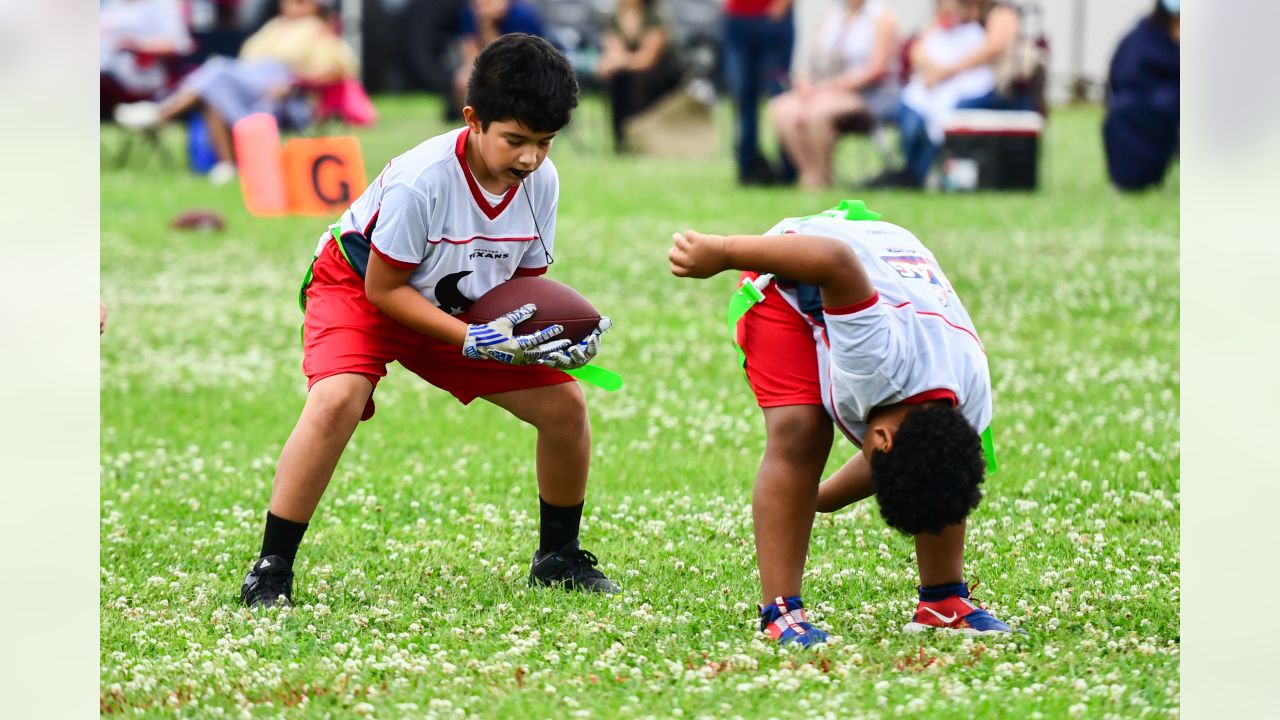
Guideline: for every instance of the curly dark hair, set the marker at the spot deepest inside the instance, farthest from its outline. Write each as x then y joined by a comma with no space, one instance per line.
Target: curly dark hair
523,78
930,478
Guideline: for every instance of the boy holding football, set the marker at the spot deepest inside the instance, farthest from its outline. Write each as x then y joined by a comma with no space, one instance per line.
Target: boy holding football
886,350
440,226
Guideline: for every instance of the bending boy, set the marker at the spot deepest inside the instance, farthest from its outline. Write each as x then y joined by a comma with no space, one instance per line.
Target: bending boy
888,352
440,226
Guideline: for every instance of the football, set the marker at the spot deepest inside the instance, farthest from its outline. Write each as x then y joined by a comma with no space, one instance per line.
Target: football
205,220
558,304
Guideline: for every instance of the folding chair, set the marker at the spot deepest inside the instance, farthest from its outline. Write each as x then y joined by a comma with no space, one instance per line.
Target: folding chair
863,123
344,102
149,139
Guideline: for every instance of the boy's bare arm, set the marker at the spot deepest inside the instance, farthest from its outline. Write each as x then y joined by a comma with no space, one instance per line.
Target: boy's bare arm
388,289
810,259
848,485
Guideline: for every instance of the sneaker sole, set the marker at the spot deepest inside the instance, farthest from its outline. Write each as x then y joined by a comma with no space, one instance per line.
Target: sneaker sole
915,627
566,587
271,605
799,643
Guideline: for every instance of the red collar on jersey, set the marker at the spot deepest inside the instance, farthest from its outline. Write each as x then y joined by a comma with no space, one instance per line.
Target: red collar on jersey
490,211
928,395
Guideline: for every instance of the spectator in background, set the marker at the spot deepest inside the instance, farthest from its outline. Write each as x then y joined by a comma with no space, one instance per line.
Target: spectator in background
637,60
484,21
928,99
138,41
1001,26
1141,129
758,39
852,70
295,50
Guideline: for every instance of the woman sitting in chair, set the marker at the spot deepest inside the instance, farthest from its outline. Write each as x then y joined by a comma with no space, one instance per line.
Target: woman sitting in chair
296,49
638,62
929,98
139,41
1018,66
852,71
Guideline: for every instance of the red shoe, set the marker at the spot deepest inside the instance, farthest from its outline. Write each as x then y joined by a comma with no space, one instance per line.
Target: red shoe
956,613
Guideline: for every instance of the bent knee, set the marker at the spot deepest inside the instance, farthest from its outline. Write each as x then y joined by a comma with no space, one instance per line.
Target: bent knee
338,400
784,112
564,410
799,435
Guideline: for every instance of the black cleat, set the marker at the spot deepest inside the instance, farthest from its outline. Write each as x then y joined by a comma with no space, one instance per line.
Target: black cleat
268,584
571,568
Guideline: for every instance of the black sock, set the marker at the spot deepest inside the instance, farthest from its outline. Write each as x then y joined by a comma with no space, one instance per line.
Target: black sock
282,537
934,593
559,525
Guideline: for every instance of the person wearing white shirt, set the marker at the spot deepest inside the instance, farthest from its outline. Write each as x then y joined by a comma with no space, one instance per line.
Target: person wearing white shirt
892,357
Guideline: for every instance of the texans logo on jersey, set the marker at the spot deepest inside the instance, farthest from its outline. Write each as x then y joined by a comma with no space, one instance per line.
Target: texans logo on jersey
449,297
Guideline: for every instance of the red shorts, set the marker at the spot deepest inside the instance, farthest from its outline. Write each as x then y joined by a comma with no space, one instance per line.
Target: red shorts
782,356
343,333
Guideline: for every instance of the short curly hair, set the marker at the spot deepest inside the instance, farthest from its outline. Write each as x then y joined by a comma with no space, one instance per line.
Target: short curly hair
929,480
523,78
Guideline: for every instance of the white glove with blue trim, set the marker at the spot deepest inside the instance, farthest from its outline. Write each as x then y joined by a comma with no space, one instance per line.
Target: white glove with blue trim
575,356
495,340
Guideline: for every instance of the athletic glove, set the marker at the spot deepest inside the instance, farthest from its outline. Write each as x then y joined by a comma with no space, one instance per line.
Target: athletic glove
495,340
575,356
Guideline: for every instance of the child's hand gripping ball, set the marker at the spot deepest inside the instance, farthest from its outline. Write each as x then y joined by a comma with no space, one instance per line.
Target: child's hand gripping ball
556,304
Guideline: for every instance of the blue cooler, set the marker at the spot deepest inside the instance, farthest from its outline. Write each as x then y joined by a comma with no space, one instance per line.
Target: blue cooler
200,153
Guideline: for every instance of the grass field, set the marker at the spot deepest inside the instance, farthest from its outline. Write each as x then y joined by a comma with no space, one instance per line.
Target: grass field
411,599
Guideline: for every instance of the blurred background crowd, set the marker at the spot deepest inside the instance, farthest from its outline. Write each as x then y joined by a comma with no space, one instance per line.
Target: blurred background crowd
928,81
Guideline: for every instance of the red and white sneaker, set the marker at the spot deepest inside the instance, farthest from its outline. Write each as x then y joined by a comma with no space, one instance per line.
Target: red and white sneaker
786,621
956,613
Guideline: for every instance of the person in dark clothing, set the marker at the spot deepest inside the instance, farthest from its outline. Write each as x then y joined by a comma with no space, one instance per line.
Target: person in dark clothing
758,39
1141,129
637,61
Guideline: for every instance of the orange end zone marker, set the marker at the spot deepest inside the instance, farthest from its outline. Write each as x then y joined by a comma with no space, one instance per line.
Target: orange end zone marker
322,175
257,145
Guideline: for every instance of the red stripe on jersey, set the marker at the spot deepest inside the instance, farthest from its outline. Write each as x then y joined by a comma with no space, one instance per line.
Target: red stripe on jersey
962,328
451,241
854,308
531,272
392,261
944,319
490,211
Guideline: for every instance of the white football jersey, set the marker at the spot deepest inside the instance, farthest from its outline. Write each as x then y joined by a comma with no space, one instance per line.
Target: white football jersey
426,211
913,340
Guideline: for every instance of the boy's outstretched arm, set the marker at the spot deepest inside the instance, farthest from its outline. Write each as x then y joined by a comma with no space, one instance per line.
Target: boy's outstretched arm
810,259
848,485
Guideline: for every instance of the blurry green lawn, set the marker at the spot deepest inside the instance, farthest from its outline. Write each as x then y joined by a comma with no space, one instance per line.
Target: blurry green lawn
411,594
